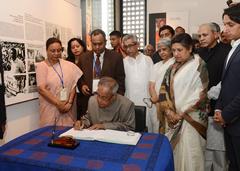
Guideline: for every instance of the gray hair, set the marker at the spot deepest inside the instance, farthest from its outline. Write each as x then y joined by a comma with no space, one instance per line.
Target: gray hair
217,27
212,26
130,36
164,42
109,83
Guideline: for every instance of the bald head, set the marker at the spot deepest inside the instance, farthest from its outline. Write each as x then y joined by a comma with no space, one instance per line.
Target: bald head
106,92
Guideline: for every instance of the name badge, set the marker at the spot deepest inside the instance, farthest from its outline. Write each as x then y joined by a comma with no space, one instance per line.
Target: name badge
63,94
95,85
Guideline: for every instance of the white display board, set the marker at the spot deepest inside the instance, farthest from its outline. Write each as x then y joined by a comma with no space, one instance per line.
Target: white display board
178,18
24,28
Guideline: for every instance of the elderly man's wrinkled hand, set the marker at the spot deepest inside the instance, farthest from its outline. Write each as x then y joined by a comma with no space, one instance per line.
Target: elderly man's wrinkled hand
96,126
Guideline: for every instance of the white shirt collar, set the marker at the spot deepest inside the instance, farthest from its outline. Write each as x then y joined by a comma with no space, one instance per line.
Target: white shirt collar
235,43
101,55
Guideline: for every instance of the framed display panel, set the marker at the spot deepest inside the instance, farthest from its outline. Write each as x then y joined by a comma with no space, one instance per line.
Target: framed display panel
23,34
19,71
156,21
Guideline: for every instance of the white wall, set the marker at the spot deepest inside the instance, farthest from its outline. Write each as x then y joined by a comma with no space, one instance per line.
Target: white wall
21,118
200,11
24,117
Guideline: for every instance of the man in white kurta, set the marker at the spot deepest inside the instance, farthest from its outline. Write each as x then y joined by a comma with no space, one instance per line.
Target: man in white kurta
137,70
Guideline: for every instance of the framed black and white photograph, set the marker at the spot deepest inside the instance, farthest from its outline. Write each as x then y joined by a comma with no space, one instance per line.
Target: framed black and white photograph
19,70
32,83
13,55
156,21
35,53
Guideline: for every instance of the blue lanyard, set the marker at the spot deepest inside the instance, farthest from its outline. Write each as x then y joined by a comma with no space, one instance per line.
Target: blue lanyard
60,77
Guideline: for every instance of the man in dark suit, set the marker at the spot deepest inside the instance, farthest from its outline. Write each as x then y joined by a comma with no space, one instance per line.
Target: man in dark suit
98,63
227,111
2,102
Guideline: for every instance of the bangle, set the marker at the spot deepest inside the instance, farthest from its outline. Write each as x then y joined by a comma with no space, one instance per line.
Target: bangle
70,102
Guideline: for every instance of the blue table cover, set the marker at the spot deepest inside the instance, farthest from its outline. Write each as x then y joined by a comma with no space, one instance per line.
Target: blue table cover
31,152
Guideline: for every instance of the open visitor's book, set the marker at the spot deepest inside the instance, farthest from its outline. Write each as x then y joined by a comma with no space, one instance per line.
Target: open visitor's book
110,136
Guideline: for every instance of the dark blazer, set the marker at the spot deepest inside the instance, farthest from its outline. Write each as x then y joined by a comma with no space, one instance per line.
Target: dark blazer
112,67
229,98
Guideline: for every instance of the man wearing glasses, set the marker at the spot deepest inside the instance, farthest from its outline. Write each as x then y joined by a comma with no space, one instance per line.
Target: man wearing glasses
108,110
137,70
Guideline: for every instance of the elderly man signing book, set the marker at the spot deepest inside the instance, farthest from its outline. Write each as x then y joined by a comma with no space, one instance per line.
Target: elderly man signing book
108,110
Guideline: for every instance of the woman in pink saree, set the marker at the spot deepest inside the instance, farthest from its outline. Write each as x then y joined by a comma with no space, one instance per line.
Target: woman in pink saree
56,82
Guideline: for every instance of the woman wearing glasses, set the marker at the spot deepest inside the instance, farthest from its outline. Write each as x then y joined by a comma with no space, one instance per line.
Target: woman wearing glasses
156,76
182,98
56,82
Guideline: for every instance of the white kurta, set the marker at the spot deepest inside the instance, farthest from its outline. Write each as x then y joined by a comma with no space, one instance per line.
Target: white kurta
137,72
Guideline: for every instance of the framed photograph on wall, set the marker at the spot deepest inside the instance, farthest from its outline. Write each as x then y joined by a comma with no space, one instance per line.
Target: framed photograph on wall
156,21
19,71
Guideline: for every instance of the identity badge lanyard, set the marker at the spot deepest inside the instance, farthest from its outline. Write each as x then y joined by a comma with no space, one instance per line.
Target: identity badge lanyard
63,92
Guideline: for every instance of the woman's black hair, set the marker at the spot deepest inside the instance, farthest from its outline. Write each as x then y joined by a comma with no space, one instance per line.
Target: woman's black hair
233,12
71,56
185,40
52,40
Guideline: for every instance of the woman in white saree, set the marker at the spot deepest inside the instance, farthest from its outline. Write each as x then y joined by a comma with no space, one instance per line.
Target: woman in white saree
182,111
156,76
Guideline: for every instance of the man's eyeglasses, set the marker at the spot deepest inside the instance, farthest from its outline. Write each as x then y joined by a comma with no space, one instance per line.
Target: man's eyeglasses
129,45
148,102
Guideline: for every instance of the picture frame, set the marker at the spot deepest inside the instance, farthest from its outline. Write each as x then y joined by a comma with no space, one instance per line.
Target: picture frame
19,71
156,20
